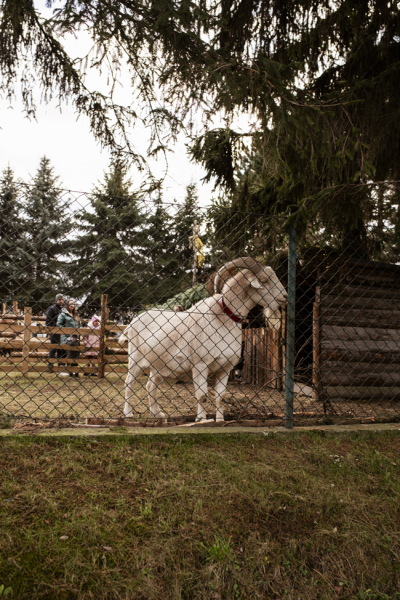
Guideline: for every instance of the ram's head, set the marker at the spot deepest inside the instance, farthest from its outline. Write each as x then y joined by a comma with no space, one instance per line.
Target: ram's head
261,284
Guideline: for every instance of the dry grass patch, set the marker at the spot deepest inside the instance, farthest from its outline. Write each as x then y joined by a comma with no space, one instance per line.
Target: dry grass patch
47,395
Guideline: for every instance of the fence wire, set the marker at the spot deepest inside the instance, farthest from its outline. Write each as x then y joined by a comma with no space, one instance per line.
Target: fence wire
116,310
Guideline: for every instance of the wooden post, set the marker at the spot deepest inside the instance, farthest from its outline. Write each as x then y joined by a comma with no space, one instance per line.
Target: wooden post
316,372
101,355
4,308
27,337
15,307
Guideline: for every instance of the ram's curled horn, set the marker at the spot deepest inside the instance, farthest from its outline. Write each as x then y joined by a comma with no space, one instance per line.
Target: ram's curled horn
229,268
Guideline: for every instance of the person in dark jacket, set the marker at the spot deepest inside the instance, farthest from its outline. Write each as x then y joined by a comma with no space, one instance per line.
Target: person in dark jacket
73,340
68,317
52,315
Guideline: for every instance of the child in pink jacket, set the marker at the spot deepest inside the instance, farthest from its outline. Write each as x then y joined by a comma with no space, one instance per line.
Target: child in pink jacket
92,341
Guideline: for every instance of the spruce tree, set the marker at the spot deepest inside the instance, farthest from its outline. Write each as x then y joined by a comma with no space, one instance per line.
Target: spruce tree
161,256
109,250
11,252
47,225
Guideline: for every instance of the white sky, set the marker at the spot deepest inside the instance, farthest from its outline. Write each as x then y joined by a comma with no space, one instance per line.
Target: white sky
76,156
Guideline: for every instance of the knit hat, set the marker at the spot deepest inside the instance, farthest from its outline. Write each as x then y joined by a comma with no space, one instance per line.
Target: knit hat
59,297
93,320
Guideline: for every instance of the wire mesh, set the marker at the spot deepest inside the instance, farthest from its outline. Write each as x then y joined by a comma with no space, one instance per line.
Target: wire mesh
148,313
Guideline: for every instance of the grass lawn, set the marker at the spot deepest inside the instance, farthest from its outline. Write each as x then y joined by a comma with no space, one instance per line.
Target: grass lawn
293,517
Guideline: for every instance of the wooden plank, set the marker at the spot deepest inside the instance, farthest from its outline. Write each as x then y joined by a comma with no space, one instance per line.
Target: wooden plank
362,379
272,360
67,330
13,317
355,334
363,393
344,346
44,369
245,370
39,329
383,319
17,344
352,355
26,337
34,344
380,281
102,332
264,350
359,367
119,370
117,328
355,302
45,359
15,307
265,356
359,291
12,327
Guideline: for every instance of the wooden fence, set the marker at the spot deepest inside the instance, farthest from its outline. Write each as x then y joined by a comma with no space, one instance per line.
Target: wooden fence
24,348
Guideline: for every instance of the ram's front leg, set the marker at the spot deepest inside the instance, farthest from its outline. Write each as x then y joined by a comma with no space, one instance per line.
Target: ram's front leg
152,387
133,373
200,374
221,378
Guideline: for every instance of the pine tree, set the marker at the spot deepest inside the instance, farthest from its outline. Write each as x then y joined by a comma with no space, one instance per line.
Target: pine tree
109,250
161,254
47,225
10,231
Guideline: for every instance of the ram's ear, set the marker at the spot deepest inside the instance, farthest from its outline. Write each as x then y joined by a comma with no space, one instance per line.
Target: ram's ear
255,283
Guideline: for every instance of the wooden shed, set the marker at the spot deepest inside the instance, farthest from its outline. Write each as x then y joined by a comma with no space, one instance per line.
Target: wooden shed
347,334
356,334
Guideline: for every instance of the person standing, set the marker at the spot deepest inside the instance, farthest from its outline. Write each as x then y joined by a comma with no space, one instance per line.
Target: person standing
52,314
92,342
69,318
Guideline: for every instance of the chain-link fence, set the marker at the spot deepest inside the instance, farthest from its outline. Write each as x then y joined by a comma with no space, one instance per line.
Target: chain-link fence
117,310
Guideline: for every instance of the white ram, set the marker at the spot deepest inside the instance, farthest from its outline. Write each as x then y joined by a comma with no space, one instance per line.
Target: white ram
204,340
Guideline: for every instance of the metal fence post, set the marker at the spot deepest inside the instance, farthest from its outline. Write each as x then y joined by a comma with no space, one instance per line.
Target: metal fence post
290,339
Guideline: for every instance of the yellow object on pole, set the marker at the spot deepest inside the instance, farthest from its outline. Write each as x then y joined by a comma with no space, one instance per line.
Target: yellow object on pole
200,252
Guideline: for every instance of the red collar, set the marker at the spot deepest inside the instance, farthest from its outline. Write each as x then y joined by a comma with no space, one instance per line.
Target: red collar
228,311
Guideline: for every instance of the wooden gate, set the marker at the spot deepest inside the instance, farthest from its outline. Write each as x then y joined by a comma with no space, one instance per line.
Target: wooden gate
263,358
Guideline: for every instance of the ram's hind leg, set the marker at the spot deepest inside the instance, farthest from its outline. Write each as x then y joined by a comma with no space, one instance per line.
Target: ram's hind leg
200,374
152,388
221,381
133,373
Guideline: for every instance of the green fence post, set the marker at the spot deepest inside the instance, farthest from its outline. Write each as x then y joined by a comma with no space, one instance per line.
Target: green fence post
290,329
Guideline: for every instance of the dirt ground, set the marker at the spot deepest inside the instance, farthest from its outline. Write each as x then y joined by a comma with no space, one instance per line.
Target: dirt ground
47,395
